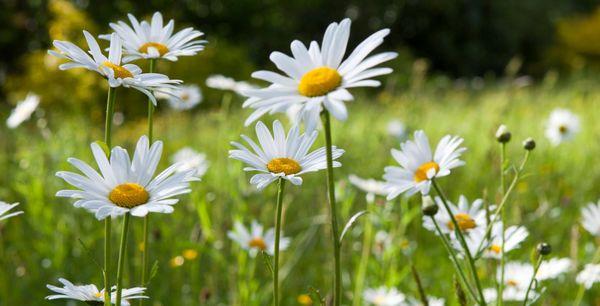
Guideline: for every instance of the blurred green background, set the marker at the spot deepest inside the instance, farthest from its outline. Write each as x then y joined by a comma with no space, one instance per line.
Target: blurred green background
464,68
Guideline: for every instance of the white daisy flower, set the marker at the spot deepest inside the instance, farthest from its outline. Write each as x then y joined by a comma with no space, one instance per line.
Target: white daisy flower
589,275
222,82
370,186
517,277
316,77
562,125
509,293
5,207
124,185
418,166
23,110
513,236
384,296
591,218
91,295
110,67
431,300
469,217
188,159
154,41
256,239
182,97
396,128
553,268
281,156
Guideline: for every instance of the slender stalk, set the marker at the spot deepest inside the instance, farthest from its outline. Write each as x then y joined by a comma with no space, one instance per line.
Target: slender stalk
122,248
535,270
281,187
503,218
581,290
110,110
462,241
337,279
147,217
364,261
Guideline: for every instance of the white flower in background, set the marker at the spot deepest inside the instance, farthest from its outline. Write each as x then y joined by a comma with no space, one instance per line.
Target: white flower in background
384,296
517,277
562,125
188,159
256,239
510,293
110,67
370,186
91,294
221,82
468,216
183,97
513,236
418,166
553,268
316,77
124,185
396,128
23,110
153,40
591,218
281,156
383,241
431,300
589,275
5,208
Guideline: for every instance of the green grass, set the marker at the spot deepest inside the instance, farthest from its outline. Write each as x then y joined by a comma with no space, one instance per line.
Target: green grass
44,243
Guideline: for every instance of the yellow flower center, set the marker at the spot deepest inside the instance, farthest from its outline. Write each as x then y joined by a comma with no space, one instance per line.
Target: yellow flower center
285,165
421,173
512,283
319,82
120,71
162,49
304,299
98,294
185,97
562,129
496,249
190,254
258,242
379,300
129,195
464,221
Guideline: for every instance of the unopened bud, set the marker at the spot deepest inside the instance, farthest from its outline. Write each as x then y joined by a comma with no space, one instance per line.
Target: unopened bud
544,249
502,134
529,144
429,207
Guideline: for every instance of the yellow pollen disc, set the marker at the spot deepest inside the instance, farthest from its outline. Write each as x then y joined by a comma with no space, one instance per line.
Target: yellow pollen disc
285,165
258,243
185,97
464,221
190,254
496,249
98,294
421,173
512,283
120,71
319,82
162,49
562,129
129,195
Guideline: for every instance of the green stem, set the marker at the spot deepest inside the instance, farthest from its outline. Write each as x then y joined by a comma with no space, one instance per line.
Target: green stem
359,280
337,279
122,248
281,187
503,217
147,217
462,241
110,110
581,290
535,270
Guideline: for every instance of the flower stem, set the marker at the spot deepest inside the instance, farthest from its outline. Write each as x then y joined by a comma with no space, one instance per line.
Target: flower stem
147,217
281,187
462,241
535,270
337,279
110,110
359,280
502,217
122,248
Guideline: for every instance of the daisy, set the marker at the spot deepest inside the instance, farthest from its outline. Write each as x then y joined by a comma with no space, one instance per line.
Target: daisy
396,129
591,218
183,97
553,268
23,110
589,275
517,277
222,82
317,76
256,239
124,185
127,75
91,295
431,300
188,159
562,125
154,41
5,207
418,166
513,236
469,217
279,156
383,296
370,186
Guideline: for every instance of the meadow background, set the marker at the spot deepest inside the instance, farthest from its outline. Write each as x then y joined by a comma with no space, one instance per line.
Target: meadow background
464,68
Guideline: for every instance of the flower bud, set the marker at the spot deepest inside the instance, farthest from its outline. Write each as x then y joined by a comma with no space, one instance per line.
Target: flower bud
529,144
429,207
502,134
544,249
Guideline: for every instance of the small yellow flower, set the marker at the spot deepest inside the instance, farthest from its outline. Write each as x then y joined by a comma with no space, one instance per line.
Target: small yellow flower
190,254
176,261
304,299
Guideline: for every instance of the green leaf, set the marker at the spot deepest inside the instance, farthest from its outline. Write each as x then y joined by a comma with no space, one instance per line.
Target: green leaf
267,260
153,273
351,222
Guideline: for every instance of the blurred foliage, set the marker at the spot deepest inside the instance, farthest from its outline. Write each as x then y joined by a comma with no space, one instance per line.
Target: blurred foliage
579,45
